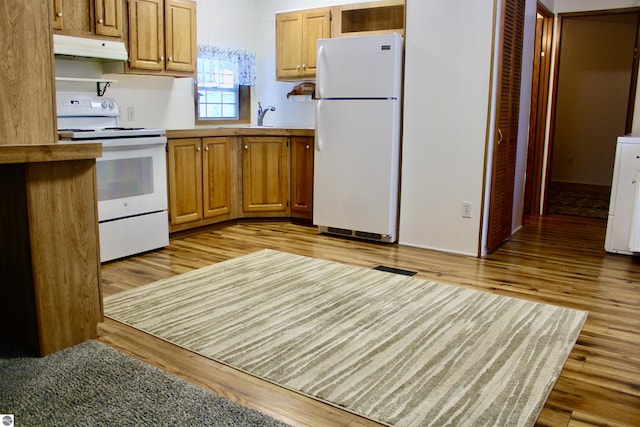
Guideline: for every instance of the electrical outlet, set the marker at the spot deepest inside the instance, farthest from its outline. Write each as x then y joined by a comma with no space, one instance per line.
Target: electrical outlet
131,114
466,209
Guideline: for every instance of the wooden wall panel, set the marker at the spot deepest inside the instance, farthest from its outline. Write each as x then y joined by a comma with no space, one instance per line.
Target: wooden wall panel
27,104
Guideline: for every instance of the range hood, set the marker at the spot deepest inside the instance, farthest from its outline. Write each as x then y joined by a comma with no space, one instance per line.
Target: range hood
89,48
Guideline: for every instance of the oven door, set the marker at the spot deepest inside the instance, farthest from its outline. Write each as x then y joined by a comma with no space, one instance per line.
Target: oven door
131,177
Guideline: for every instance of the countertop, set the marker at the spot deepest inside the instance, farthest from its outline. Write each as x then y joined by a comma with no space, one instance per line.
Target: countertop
203,132
36,153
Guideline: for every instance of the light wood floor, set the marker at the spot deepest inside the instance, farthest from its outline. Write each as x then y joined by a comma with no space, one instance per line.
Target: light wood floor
557,259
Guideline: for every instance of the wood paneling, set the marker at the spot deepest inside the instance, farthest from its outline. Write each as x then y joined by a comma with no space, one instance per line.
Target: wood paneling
50,266
65,259
553,259
26,73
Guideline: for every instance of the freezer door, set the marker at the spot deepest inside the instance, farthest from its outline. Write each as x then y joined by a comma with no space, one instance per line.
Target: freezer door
356,165
359,67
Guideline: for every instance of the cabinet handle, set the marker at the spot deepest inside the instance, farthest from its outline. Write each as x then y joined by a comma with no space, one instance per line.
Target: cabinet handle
59,14
206,148
298,67
246,147
170,58
307,147
304,66
100,21
162,58
198,149
499,136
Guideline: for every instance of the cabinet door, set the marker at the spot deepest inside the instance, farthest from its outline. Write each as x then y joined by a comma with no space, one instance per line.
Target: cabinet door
180,25
146,34
109,17
316,25
216,178
288,45
302,175
264,174
185,180
57,21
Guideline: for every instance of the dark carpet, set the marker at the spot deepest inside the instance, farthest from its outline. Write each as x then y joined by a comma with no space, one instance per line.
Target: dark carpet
591,201
92,384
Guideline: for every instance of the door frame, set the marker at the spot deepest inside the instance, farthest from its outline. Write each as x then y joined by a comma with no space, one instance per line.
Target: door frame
545,167
540,86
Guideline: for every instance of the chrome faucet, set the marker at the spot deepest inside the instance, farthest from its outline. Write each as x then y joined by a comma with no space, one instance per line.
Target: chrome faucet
262,112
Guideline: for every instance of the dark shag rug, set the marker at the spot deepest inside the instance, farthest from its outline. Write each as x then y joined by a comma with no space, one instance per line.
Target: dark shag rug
93,384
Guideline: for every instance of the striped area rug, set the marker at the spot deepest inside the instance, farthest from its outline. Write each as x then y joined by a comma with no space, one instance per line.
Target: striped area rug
396,349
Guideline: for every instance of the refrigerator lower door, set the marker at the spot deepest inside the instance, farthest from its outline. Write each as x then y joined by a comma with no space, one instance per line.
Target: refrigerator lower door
356,168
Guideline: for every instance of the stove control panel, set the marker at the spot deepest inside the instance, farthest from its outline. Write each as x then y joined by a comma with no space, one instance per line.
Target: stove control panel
86,105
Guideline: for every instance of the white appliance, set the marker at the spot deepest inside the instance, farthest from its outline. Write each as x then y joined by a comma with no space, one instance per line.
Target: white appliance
623,225
358,122
131,175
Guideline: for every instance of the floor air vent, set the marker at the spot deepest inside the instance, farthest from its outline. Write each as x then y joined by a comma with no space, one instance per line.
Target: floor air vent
395,270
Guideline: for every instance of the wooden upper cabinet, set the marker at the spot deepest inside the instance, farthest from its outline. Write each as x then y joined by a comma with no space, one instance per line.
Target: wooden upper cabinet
162,37
146,34
376,17
57,20
181,41
108,17
82,18
296,37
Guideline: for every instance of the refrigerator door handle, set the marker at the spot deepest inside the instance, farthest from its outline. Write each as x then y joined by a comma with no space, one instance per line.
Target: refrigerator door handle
318,139
319,63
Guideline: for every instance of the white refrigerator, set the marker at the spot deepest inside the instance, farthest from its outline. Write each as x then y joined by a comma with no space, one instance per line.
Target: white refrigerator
623,224
357,141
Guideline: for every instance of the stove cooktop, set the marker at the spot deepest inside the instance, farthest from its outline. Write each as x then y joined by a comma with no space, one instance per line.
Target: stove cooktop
108,132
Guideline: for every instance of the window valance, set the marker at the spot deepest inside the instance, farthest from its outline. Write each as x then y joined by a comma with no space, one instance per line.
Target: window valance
216,61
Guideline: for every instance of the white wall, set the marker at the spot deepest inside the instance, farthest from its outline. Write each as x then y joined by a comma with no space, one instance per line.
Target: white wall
168,102
447,81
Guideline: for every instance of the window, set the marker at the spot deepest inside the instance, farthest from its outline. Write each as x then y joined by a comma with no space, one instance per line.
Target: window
224,77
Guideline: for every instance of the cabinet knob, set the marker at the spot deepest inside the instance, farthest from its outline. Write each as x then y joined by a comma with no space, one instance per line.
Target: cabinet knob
59,14
162,58
100,21
246,147
304,66
206,148
198,149
298,67
307,147
170,58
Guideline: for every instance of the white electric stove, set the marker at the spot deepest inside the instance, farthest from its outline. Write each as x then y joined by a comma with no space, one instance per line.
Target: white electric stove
131,174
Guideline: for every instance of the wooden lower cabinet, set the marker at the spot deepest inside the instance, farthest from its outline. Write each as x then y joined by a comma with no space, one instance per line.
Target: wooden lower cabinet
265,174
199,174
184,172
216,176
302,177
220,178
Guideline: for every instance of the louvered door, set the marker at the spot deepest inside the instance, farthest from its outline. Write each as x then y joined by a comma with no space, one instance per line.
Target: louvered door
506,131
